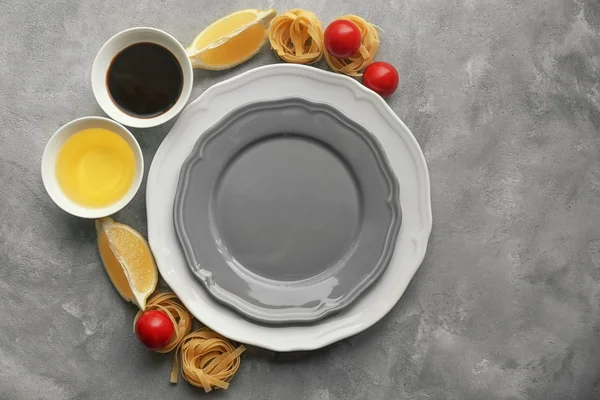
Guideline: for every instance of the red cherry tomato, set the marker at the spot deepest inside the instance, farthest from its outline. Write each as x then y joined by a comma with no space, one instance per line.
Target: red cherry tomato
381,77
342,38
154,329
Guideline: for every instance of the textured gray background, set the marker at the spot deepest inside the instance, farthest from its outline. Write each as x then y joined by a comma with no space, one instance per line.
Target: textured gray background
504,98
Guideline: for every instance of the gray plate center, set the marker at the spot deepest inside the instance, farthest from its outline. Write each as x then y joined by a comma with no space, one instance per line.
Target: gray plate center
279,215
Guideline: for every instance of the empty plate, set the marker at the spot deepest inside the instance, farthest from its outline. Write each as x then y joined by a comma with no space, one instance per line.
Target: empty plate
287,210
267,83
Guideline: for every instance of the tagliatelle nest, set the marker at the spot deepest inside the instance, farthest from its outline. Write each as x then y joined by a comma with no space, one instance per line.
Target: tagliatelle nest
296,36
208,360
177,313
356,63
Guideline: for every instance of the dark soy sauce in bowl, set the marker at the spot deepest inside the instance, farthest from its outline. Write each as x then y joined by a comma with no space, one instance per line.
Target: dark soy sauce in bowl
145,80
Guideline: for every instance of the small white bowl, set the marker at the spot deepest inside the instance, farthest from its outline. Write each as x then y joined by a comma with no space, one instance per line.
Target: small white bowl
125,39
49,166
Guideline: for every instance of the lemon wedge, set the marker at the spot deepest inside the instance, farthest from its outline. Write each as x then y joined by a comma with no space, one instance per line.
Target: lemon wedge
128,261
231,40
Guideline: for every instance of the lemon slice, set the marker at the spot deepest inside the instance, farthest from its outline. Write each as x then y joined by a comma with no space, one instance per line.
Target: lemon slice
128,261
231,40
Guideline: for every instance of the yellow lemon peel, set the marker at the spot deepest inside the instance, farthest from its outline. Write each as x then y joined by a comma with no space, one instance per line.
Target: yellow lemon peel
128,260
231,40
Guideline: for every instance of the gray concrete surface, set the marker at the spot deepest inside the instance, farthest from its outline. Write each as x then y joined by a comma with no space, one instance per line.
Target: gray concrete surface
504,98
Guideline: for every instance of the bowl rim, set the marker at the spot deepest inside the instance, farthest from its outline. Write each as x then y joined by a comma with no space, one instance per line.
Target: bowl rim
50,154
127,38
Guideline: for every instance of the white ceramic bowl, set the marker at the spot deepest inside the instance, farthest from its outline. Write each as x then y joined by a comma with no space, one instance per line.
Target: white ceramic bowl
119,42
49,166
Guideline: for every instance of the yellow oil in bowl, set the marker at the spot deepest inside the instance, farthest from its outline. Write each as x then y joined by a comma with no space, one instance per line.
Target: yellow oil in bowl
95,168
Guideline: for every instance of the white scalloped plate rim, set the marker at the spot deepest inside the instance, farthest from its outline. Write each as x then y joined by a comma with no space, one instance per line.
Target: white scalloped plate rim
366,108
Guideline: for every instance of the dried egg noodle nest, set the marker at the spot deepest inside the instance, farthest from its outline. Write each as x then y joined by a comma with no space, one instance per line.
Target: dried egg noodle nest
355,64
207,359
170,305
296,36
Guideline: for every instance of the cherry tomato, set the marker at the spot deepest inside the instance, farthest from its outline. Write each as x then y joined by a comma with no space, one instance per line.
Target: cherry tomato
342,38
154,329
381,77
